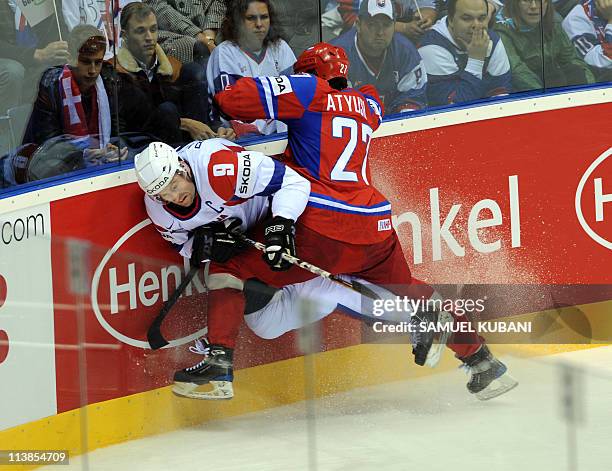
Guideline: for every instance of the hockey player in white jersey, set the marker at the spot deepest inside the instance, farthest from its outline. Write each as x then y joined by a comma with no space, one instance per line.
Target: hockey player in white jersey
217,180
197,197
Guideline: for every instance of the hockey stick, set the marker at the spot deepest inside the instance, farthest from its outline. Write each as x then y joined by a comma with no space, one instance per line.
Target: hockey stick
354,285
154,335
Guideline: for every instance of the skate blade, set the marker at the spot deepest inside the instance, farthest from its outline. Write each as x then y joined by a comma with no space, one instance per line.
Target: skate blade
213,391
498,386
435,352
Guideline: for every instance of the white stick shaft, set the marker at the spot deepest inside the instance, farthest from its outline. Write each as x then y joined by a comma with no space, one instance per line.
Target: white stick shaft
355,286
59,30
418,9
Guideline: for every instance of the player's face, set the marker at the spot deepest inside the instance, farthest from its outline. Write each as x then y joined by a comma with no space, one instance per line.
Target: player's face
87,69
141,37
180,191
375,34
255,26
531,11
469,15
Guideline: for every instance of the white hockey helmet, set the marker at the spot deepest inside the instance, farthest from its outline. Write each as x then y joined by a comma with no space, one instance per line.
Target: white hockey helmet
155,167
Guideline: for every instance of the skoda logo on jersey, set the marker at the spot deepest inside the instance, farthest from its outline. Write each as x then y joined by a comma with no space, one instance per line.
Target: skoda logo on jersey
381,3
127,291
594,200
245,175
281,85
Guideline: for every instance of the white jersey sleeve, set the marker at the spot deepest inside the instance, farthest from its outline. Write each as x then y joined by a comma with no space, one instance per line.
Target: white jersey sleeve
592,42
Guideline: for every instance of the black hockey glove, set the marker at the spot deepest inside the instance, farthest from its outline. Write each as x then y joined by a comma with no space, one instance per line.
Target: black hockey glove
216,241
279,236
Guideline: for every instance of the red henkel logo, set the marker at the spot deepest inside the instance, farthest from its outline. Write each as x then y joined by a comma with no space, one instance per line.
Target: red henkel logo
127,292
594,200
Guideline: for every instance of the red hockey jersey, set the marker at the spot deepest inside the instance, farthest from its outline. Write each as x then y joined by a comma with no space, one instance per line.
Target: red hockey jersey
329,134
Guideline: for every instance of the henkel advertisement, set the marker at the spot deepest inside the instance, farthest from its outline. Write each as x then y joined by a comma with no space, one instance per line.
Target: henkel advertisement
132,271
525,199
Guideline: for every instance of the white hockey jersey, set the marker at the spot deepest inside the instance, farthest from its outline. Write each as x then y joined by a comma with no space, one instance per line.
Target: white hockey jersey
591,34
228,62
230,182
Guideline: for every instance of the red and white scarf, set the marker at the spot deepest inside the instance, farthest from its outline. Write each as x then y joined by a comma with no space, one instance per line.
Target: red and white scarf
75,121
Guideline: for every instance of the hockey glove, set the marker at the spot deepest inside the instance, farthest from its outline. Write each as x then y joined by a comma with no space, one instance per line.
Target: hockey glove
216,241
279,236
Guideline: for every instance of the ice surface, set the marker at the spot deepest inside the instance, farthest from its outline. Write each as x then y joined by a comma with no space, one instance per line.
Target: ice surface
425,424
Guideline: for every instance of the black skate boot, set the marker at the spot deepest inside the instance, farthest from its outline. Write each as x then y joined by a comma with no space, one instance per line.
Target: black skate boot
215,370
428,337
488,375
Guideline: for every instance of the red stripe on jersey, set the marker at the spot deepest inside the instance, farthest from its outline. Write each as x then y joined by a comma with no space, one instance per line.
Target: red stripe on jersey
236,202
222,171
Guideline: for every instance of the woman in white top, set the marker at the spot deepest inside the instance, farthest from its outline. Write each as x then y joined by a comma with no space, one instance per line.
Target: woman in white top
252,47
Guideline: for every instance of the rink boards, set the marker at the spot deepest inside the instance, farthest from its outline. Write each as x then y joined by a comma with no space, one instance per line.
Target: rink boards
490,194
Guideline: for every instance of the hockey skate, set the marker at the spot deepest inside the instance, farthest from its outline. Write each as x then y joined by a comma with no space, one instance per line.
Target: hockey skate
488,375
427,343
215,372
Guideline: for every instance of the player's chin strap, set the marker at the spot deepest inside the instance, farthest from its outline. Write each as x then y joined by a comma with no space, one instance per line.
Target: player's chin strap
354,285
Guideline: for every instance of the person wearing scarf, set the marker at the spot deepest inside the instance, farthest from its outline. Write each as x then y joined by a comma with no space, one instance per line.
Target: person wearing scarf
540,53
73,99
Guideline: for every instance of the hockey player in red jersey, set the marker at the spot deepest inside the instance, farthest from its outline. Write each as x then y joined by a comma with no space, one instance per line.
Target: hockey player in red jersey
329,131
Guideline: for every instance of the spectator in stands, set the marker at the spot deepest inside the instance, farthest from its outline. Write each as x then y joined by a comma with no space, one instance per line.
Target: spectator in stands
188,28
385,59
589,26
413,17
464,60
25,52
74,98
525,24
253,47
167,97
